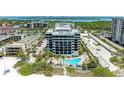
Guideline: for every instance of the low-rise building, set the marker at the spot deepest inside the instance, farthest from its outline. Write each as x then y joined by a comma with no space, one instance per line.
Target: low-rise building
23,44
37,24
17,37
13,49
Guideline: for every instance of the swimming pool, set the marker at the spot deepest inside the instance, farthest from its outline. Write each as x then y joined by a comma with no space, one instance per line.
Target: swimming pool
73,61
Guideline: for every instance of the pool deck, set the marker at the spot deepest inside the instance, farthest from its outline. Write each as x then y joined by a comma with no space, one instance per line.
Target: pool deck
82,57
60,62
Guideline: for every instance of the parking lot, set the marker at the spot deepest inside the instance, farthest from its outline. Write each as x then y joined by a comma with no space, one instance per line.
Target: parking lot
99,51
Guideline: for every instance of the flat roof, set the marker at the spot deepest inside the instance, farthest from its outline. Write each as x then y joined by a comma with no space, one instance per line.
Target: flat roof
62,26
4,37
40,21
28,38
19,34
70,32
65,32
14,45
23,41
63,29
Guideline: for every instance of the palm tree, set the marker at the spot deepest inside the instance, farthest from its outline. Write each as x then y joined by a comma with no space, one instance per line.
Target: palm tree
62,58
22,55
0,43
1,53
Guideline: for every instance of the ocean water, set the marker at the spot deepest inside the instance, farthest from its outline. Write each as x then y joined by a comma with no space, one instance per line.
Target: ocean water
60,18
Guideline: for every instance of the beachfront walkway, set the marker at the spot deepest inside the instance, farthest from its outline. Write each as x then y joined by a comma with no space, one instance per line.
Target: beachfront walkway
65,72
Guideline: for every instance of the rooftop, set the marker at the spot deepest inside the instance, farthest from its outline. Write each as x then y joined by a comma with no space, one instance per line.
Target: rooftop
63,29
62,26
15,45
68,33
40,21
4,37
65,32
28,38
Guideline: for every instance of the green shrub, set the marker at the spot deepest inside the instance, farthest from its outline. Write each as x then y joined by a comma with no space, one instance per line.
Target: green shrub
122,57
84,66
102,72
91,65
1,53
48,71
19,64
38,67
113,59
81,49
71,70
25,70
42,67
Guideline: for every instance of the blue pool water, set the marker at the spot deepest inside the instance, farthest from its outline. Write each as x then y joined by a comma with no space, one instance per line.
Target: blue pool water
73,61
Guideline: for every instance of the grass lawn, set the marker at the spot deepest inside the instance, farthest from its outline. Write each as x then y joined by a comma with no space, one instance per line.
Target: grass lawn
58,71
78,73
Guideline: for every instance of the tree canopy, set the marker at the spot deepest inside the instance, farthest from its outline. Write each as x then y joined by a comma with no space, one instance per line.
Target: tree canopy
98,25
102,72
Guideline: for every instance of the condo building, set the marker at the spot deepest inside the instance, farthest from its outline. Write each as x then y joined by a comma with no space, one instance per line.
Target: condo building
23,44
18,36
37,24
63,39
118,30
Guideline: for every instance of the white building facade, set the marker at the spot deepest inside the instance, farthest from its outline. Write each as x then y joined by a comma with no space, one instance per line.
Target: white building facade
118,30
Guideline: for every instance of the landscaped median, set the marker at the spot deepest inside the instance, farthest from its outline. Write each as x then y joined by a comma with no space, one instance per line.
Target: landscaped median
93,60
118,60
112,44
